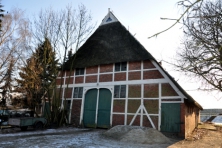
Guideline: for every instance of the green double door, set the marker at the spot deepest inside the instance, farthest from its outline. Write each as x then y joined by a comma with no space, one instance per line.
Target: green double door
97,108
170,117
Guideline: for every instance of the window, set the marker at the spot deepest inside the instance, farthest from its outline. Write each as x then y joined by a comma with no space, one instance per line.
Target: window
109,20
78,91
120,66
119,91
79,71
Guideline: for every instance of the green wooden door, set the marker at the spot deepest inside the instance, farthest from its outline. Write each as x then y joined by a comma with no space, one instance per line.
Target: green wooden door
170,117
89,115
104,108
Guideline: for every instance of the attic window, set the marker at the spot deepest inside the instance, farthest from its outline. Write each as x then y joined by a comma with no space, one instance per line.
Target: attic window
120,66
79,71
109,20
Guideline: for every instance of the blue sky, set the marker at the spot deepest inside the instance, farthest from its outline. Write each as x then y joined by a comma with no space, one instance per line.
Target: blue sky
142,17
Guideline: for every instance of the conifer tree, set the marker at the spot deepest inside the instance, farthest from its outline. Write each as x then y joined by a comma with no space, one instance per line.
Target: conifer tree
7,83
30,82
39,74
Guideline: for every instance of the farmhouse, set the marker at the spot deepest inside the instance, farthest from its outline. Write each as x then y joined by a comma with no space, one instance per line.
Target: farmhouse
114,80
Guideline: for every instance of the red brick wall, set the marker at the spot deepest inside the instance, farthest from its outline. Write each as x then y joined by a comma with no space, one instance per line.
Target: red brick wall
119,106
133,105
61,73
152,74
106,68
147,123
120,76
58,81
69,80
79,79
118,120
167,90
91,79
92,70
136,121
182,120
105,77
134,91
68,92
68,73
76,110
134,75
148,64
151,90
152,106
135,65
171,100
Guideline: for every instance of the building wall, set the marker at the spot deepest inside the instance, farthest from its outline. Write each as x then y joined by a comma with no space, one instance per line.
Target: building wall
75,113
146,88
191,119
182,119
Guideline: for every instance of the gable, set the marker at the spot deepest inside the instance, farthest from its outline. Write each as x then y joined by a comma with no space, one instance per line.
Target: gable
109,18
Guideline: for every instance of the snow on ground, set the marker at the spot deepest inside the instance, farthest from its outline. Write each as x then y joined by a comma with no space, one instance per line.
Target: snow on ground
68,138
17,132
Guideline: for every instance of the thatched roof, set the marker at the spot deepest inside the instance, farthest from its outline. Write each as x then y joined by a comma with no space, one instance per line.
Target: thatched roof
110,43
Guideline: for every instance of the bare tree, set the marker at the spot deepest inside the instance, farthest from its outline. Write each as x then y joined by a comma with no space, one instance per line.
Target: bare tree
65,29
187,7
14,41
47,25
1,15
201,53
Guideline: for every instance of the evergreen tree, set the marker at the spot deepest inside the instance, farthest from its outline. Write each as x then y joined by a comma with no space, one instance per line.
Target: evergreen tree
7,83
8,77
68,60
47,60
39,74
30,82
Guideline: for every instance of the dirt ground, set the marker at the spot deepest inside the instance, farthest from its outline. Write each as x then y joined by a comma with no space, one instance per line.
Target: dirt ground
94,138
203,139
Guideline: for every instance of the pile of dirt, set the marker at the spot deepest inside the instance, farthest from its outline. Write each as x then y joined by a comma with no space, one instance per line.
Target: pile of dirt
136,134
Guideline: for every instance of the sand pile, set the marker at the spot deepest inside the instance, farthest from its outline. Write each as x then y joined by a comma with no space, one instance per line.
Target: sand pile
136,134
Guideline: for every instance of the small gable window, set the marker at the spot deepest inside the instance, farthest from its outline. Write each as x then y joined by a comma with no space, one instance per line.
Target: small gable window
120,66
78,91
79,71
109,20
120,91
